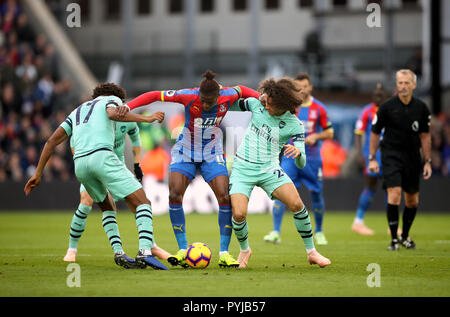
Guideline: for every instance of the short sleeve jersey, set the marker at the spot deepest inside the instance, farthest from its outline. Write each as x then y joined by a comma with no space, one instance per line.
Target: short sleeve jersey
402,123
89,126
364,125
266,134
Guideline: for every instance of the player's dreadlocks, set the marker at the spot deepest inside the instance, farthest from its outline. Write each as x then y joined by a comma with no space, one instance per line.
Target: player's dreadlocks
284,93
109,89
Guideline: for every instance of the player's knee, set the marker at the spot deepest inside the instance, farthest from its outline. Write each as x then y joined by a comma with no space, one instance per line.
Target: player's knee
296,206
239,216
411,201
85,199
175,197
223,199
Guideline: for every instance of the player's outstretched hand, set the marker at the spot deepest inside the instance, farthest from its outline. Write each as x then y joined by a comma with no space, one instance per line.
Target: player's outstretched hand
291,151
157,116
31,184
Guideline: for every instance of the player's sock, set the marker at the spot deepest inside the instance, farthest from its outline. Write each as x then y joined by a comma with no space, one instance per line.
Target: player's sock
144,224
408,217
225,227
241,232
364,202
277,213
303,225
318,207
78,224
112,230
392,217
178,220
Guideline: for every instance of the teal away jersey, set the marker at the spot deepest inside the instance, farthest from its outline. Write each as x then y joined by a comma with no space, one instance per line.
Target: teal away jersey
90,127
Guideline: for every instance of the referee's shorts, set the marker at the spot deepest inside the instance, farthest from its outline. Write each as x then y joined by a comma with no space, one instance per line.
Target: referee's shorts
401,169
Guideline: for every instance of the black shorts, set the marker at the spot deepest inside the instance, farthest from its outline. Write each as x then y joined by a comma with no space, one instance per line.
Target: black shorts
401,169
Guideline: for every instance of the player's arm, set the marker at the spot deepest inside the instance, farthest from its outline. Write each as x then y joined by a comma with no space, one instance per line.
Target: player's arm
245,92
113,114
361,125
55,139
297,150
378,123
240,105
425,140
326,134
136,146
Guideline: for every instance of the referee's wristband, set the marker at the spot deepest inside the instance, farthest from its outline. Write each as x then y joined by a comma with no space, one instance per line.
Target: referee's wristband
371,157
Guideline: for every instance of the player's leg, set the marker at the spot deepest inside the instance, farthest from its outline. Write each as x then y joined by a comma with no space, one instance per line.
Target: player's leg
365,199
409,214
239,203
219,186
287,193
178,183
278,210
156,250
312,176
78,224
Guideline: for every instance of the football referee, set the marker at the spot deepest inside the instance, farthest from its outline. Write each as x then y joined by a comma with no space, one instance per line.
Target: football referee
406,121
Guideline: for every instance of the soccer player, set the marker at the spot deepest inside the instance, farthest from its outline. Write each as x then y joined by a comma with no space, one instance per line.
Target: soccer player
99,169
363,128
84,208
257,162
314,116
199,147
406,123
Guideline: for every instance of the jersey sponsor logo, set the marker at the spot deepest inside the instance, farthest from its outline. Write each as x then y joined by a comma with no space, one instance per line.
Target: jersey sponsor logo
309,126
415,126
264,132
207,122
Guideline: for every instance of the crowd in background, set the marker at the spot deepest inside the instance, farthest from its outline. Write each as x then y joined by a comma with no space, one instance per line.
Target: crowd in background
34,100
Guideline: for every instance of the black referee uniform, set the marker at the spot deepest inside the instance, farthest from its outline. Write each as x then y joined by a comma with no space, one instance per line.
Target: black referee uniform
400,146
400,157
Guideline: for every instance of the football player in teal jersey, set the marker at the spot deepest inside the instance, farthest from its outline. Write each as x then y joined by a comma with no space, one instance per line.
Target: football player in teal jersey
257,163
98,168
85,207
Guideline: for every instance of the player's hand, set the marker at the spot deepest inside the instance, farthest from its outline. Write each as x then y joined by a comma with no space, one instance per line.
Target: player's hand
427,171
291,151
138,172
31,184
157,116
122,111
374,167
311,139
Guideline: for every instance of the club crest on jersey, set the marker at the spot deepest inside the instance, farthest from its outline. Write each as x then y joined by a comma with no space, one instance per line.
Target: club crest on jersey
282,124
123,129
222,108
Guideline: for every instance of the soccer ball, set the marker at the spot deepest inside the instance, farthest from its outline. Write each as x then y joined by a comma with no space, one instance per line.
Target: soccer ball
198,255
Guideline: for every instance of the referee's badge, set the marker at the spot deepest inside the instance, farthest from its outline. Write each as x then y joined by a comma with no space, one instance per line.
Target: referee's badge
415,126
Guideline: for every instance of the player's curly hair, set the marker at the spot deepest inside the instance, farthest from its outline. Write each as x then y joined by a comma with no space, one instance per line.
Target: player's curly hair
209,86
109,89
284,93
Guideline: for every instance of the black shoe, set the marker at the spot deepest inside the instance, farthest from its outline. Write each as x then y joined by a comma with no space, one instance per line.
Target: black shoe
395,245
125,261
408,243
149,260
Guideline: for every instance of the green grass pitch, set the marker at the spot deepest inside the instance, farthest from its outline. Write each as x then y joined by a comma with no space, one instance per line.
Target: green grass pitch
32,245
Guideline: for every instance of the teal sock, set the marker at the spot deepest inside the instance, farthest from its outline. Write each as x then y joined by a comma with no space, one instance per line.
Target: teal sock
112,230
78,224
241,232
303,225
144,223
